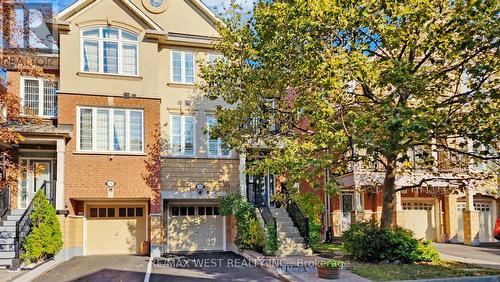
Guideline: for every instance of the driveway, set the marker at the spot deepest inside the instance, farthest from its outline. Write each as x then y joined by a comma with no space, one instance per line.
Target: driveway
218,266
483,256
99,268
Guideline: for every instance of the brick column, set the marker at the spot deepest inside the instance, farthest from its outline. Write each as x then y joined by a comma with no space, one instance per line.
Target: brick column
398,214
450,218
471,222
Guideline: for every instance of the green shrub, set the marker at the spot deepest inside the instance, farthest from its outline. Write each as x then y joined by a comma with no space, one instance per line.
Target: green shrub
45,238
367,241
271,240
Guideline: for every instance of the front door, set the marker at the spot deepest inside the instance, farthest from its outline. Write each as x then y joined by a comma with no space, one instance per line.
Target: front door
32,179
347,199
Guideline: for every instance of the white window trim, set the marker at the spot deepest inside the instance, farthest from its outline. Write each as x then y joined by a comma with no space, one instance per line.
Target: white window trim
183,67
100,39
111,136
40,95
183,135
219,144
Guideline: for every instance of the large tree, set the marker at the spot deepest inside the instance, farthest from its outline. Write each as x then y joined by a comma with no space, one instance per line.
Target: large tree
319,81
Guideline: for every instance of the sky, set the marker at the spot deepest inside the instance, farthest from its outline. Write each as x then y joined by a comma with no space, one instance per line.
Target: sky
214,5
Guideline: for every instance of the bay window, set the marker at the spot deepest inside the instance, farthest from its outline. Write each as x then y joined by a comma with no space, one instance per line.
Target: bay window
183,67
110,130
109,50
182,135
215,146
39,97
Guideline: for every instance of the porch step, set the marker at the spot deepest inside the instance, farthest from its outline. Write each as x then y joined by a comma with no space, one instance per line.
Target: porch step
7,228
7,248
6,241
6,262
7,234
8,223
17,212
14,217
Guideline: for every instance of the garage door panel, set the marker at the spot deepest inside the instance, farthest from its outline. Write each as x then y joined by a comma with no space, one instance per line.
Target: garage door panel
419,218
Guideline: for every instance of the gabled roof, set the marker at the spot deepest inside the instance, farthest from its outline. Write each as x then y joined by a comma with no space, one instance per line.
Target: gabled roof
80,4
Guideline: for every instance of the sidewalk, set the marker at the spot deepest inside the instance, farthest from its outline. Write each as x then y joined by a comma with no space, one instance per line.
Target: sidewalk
487,257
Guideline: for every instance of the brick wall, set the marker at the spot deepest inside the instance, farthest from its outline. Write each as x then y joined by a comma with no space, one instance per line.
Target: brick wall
86,174
182,174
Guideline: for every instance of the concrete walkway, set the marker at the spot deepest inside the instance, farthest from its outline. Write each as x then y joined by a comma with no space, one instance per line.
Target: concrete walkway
488,257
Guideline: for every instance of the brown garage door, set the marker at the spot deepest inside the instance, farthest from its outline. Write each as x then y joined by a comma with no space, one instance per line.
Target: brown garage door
115,229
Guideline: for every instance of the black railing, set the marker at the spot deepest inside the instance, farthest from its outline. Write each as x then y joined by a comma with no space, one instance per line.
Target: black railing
24,224
300,220
266,214
4,201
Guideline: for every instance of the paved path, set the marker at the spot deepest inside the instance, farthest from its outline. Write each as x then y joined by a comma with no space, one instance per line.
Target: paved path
218,266
99,268
482,256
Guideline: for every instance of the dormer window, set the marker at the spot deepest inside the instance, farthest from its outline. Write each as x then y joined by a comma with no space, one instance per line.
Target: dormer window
109,50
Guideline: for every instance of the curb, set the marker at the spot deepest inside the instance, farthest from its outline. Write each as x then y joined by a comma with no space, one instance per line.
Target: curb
268,268
36,272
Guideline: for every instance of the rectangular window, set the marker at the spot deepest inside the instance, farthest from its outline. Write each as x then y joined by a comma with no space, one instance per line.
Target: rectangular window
175,211
110,57
93,212
182,135
130,212
39,97
209,210
201,210
129,59
139,212
102,212
183,211
90,56
110,130
122,212
183,67
111,212
190,210
215,145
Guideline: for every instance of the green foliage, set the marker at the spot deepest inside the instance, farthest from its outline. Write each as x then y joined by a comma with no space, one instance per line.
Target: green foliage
271,240
367,241
312,206
250,234
45,238
422,72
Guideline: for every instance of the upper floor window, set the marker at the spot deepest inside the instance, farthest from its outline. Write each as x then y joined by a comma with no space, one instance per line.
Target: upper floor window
110,130
182,135
215,145
109,50
183,67
39,97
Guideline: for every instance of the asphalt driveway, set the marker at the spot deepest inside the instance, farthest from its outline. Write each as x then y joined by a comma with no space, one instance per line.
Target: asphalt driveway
487,256
219,266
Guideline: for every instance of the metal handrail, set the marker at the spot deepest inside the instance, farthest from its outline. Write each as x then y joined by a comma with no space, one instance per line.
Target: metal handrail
266,214
300,220
4,201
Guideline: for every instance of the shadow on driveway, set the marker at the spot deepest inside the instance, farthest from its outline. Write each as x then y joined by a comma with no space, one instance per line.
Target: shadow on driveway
216,266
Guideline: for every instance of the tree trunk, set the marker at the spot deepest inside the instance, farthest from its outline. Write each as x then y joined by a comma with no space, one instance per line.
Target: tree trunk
389,187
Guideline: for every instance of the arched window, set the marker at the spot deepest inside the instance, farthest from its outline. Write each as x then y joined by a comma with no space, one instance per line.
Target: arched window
109,50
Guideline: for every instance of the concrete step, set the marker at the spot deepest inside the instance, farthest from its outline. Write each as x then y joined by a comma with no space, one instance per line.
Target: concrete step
295,240
13,217
6,241
7,234
7,255
288,234
283,220
287,229
7,248
7,228
17,212
8,223
5,262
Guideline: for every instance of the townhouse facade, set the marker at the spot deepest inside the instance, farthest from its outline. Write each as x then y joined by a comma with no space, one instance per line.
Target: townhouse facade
123,144
440,211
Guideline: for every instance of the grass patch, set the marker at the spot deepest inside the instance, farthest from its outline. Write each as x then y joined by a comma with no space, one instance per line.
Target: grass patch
326,247
441,269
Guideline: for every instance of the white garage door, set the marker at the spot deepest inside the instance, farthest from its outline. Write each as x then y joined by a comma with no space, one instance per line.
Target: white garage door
115,230
195,228
419,218
485,221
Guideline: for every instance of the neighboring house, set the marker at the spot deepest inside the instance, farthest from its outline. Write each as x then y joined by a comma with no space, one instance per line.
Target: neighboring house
439,213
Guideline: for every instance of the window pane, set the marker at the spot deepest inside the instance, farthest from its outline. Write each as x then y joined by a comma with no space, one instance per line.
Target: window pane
90,56
110,33
176,67
188,136
31,96
49,98
212,142
190,210
94,32
129,59
209,210
102,212
139,212
176,134
189,65
122,212
183,211
135,131
216,211
175,210
102,130
224,149
119,130
93,212
201,210
110,57
128,36
131,212
86,129
111,212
